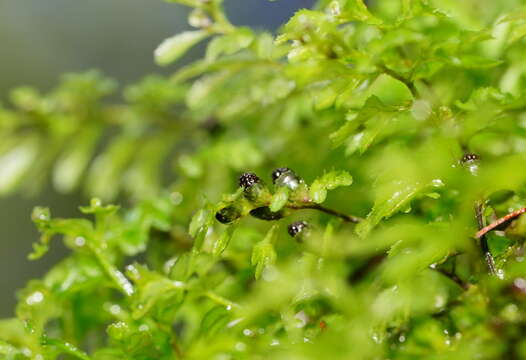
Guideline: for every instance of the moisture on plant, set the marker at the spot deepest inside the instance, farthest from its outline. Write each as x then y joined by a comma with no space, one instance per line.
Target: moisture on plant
349,187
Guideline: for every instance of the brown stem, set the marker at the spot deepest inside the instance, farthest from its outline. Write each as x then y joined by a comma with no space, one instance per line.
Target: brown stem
454,277
345,217
484,230
361,272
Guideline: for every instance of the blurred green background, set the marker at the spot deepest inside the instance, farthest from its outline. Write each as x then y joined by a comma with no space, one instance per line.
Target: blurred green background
42,39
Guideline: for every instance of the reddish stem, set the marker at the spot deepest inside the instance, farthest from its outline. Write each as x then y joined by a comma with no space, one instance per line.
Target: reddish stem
499,221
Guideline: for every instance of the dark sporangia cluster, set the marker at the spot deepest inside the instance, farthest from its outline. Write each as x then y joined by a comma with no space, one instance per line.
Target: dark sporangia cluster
259,196
297,227
228,214
471,162
469,157
248,179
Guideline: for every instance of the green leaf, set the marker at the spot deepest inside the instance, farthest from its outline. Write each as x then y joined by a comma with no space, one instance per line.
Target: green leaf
263,253
66,348
373,122
279,198
214,321
16,162
222,242
388,204
10,352
173,48
329,181
229,44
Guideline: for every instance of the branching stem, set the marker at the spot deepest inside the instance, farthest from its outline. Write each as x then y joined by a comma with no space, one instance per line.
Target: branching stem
454,277
345,217
484,230
410,85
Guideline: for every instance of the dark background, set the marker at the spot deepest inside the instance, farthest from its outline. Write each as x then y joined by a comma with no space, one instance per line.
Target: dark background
41,39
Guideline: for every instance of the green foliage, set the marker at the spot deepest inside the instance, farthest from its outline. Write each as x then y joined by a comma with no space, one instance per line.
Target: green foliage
419,105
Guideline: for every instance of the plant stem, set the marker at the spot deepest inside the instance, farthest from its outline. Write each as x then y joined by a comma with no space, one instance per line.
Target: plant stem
219,299
345,217
483,231
479,207
118,278
454,277
407,82
363,270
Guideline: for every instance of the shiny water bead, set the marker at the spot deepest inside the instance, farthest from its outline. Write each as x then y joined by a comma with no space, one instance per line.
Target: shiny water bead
471,162
285,177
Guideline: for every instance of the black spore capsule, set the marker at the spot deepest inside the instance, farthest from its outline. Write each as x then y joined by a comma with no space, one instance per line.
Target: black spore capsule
297,227
469,158
264,213
228,214
471,162
285,177
248,179
253,188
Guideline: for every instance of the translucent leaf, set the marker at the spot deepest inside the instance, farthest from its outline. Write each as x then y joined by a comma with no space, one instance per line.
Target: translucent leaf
70,166
173,48
66,348
15,163
263,253
373,122
222,242
214,321
386,206
200,224
279,198
9,352
329,181
229,44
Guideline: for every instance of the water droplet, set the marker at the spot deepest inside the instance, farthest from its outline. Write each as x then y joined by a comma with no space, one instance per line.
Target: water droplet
35,298
401,338
437,183
520,284
274,342
440,301
302,319
178,284
26,352
240,346
233,322
376,338
176,198
248,332
500,274
115,309
144,327
167,267
80,241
